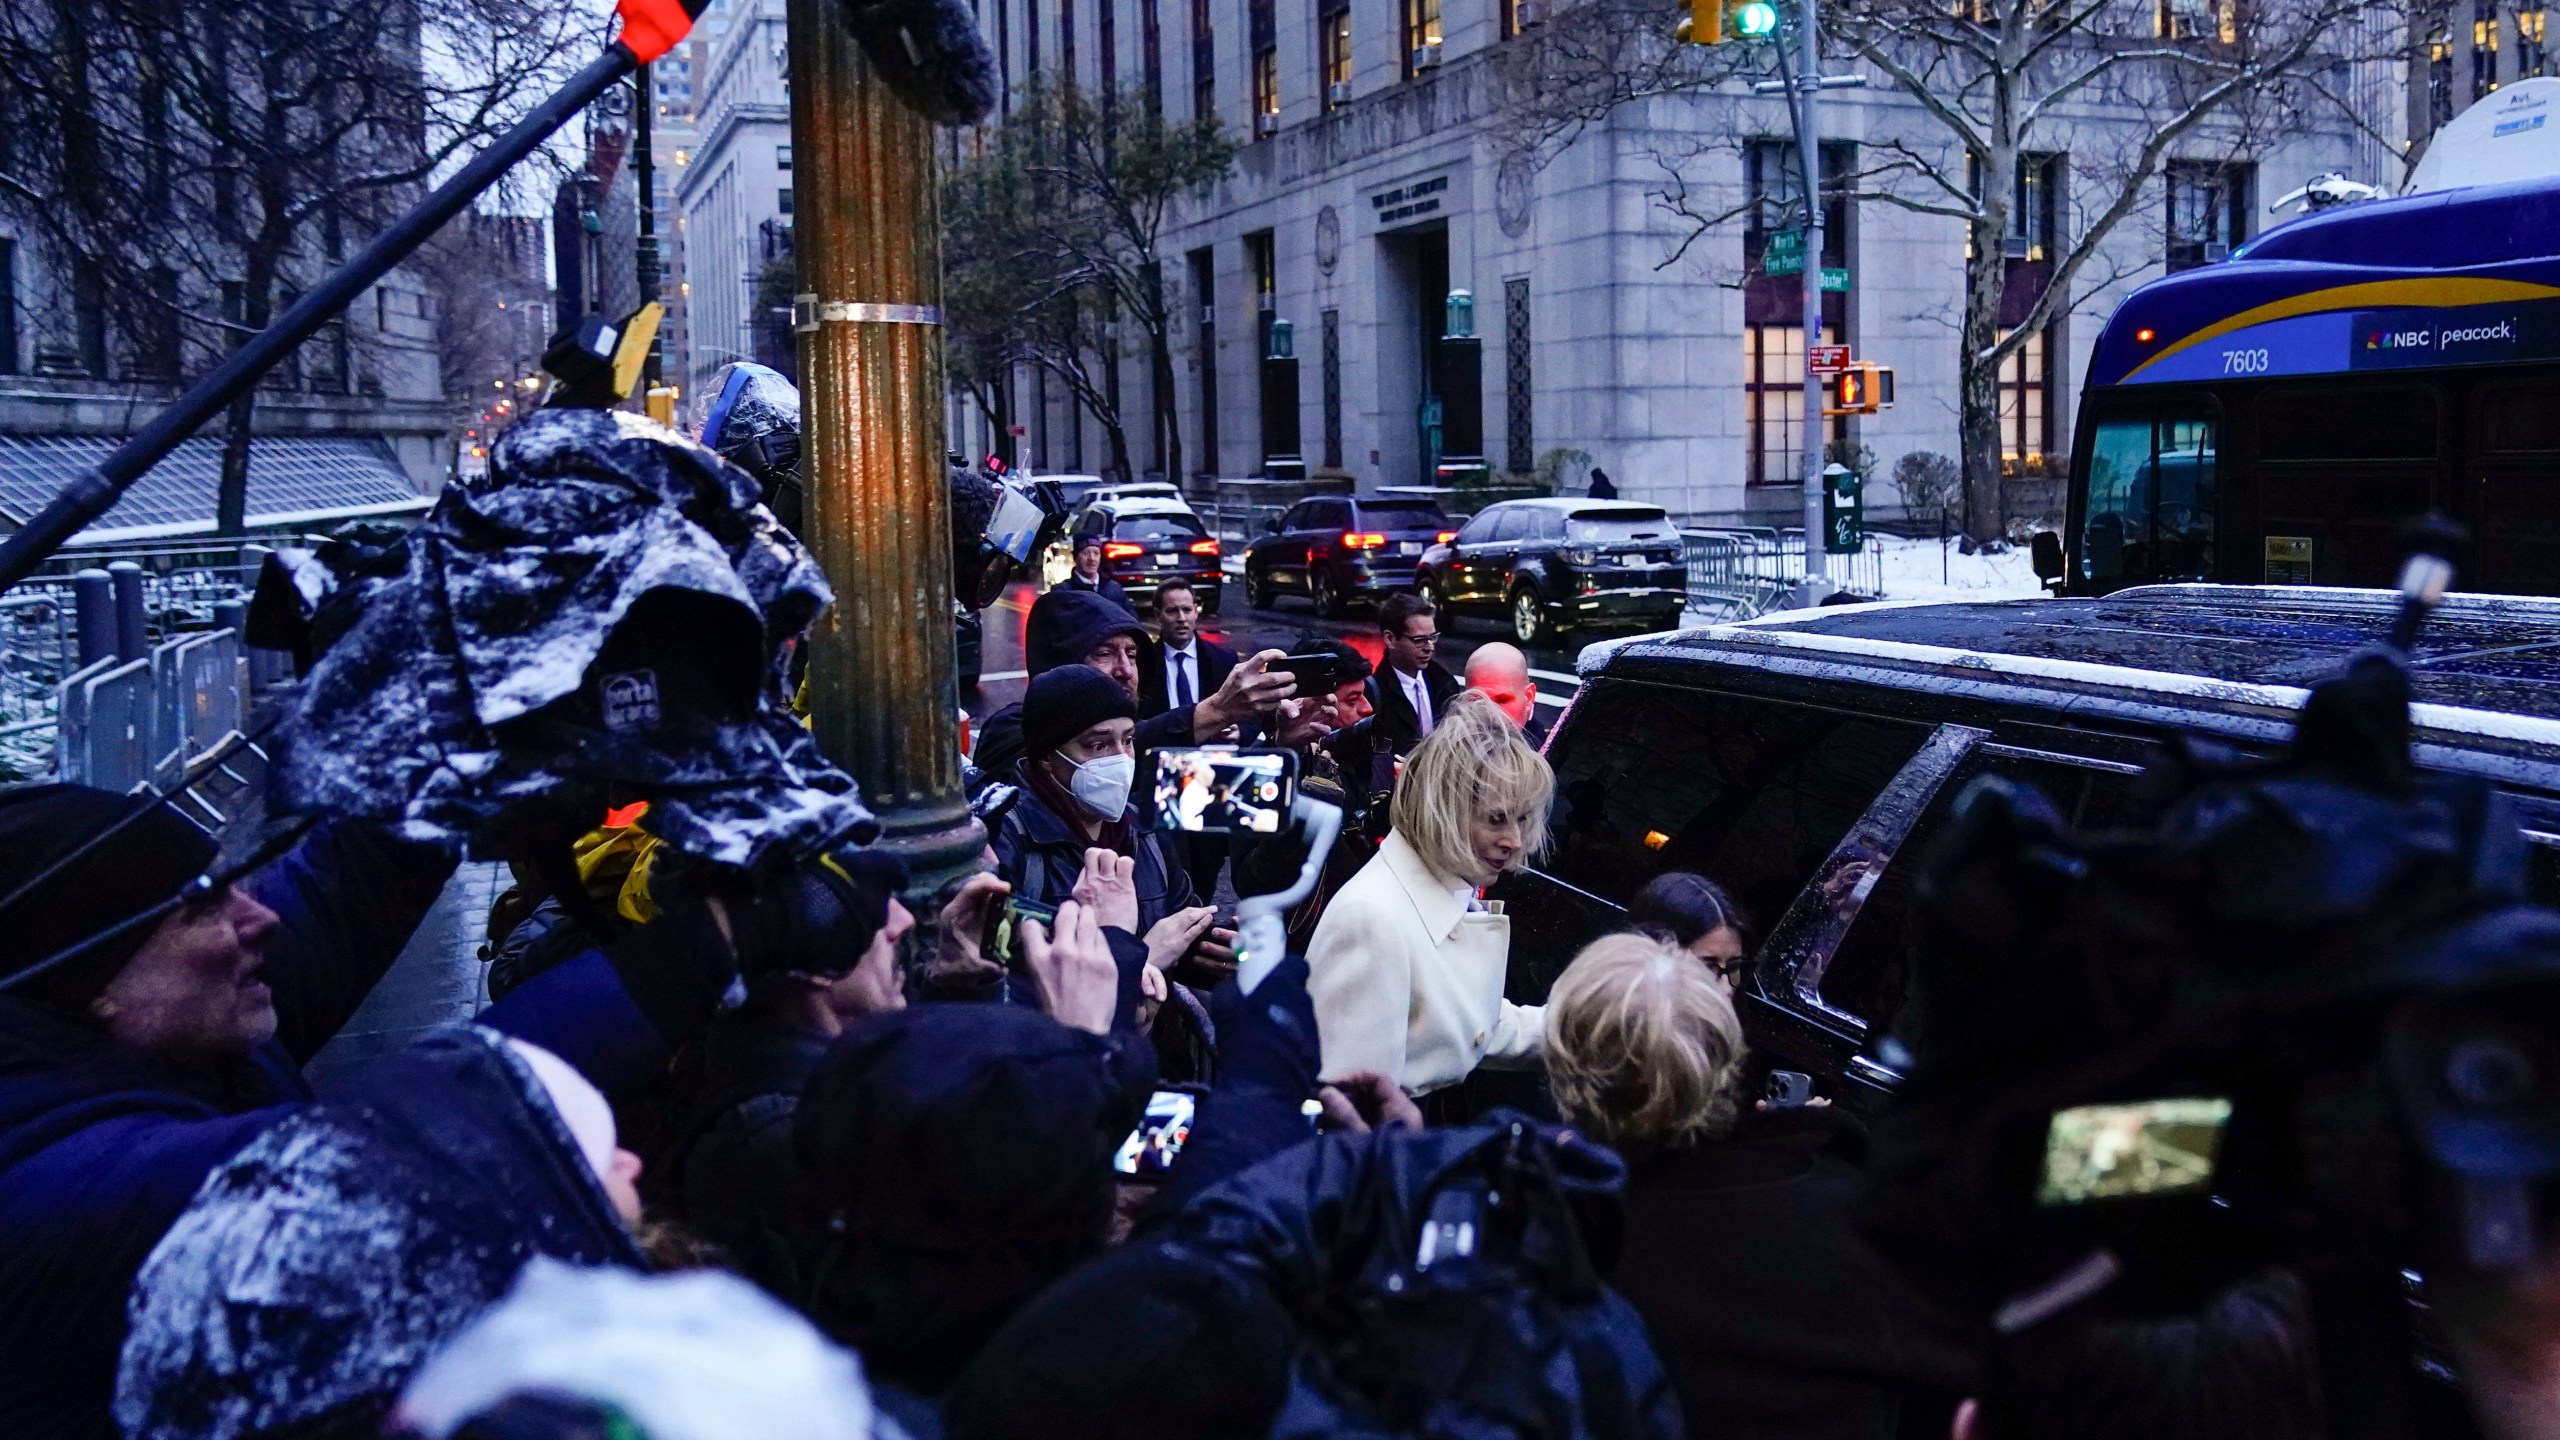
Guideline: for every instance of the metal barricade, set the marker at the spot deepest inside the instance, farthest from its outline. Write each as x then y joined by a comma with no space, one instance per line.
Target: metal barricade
116,713
207,702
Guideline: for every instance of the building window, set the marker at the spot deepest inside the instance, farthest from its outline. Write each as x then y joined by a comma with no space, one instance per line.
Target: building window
1204,292
1421,36
1773,401
2484,47
782,201
1331,324
1262,263
781,157
1067,41
89,321
1106,30
2208,210
1004,49
2035,208
2026,406
9,306
1333,37
2439,79
2532,57
155,345
1151,41
1204,63
2197,19
1031,39
1520,445
1263,31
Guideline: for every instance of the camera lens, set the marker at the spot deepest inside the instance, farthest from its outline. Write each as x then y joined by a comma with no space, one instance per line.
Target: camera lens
2488,1070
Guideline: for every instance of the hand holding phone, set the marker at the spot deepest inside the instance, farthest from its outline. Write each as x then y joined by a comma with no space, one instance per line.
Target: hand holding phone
1315,672
1218,790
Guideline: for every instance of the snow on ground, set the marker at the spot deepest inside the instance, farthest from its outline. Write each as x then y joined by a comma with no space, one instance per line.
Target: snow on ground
1926,570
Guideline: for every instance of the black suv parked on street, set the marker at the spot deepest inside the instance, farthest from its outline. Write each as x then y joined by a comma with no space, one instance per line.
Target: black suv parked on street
1337,548
1805,759
1552,566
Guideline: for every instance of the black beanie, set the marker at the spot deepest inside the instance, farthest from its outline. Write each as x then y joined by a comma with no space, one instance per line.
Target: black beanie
144,864
1066,702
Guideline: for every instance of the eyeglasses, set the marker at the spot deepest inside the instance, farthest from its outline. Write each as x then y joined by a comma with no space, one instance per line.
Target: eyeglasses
1731,971
1423,642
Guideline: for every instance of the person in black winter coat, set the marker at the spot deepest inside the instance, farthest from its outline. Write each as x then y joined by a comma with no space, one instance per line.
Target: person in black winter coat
1773,1317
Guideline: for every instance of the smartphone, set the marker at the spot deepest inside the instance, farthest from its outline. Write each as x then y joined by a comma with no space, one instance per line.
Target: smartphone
999,944
1150,1150
1788,1089
1220,790
2116,1152
1316,674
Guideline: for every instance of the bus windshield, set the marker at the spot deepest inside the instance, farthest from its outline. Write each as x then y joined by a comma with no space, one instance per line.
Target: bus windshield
2150,512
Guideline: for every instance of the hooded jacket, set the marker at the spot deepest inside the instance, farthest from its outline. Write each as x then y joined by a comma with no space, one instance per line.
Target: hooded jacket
334,1254
102,1148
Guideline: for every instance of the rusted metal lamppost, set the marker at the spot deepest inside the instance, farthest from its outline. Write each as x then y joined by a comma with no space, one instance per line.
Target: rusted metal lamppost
884,683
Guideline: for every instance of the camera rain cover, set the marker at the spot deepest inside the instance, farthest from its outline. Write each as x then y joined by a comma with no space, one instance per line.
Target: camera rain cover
604,617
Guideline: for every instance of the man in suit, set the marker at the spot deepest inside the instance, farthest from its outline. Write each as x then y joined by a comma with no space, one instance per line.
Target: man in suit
1413,688
1180,665
1088,572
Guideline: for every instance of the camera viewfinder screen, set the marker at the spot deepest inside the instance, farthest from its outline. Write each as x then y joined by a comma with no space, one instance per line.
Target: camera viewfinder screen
1150,1150
1222,791
2117,1152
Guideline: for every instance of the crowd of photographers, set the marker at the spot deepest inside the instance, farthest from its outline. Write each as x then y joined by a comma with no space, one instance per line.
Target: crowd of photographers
791,1150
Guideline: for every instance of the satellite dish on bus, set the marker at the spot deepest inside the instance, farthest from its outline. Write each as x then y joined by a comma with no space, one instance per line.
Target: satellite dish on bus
2511,134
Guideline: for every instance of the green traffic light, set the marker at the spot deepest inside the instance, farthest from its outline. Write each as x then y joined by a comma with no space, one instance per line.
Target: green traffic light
1757,20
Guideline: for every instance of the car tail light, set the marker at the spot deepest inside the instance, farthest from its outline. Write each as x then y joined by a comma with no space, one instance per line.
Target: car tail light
1204,547
1362,540
1121,550
1444,537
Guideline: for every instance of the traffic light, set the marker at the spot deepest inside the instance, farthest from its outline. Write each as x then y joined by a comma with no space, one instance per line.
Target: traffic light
1705,25
1756,20
1861,389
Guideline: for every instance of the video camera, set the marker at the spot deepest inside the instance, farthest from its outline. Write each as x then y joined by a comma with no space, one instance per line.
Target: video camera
2305,1018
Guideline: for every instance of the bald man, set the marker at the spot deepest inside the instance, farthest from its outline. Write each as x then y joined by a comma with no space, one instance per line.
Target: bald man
1501,674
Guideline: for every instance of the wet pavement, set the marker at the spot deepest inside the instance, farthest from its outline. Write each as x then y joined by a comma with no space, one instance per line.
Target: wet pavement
1248,630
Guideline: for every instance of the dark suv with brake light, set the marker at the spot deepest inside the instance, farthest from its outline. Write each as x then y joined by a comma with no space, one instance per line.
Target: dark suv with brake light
1147,541
1334,549
1553,566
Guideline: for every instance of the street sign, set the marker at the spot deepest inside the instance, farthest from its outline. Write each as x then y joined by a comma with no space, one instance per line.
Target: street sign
1830,359
1785,255
1833,280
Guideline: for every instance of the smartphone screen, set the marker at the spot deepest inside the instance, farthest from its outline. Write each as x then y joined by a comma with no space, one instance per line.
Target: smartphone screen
1222,791
1000,944
1314,673
1149,1151
2115,1152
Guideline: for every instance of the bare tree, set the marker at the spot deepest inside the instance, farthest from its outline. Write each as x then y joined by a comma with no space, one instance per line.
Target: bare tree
197,163
1055,231
2140,84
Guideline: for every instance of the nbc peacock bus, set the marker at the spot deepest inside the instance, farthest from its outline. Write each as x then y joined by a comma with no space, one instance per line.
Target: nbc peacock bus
2272,419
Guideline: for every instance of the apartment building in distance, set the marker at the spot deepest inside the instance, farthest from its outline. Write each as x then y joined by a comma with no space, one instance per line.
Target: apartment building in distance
733,190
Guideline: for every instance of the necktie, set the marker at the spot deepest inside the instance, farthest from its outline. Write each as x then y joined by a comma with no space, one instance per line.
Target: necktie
1182,678
1421,704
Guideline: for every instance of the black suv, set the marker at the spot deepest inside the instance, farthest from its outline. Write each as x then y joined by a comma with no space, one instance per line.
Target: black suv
1337,548
1553,566
1147,540
1803,760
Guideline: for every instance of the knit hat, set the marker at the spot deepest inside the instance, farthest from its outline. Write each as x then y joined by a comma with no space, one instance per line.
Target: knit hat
145,863
1068,625
1066,702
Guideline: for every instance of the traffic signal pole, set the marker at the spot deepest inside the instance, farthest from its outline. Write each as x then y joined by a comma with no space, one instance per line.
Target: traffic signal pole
1801,87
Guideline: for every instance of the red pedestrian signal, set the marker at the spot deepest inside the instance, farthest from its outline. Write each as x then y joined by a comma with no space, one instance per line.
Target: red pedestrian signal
1861,389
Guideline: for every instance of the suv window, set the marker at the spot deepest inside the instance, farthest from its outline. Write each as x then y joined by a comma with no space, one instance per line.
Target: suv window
1546,525
1481,528
1606,527
1328,515
1515,523
1751,793
1403,517
1869,974
1296,519
1157,527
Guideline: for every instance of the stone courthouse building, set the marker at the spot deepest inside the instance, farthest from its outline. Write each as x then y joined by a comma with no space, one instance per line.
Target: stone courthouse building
1376,179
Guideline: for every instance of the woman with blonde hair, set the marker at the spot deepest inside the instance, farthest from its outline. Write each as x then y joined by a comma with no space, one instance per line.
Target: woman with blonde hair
1771,1316
1407,965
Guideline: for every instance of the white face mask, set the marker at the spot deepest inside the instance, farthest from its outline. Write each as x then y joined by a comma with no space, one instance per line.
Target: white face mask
1103,785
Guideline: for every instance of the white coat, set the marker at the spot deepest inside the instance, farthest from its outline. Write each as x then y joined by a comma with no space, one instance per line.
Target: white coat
1407,978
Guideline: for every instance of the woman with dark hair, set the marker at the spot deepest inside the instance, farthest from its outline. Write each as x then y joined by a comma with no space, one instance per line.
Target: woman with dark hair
1693,912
